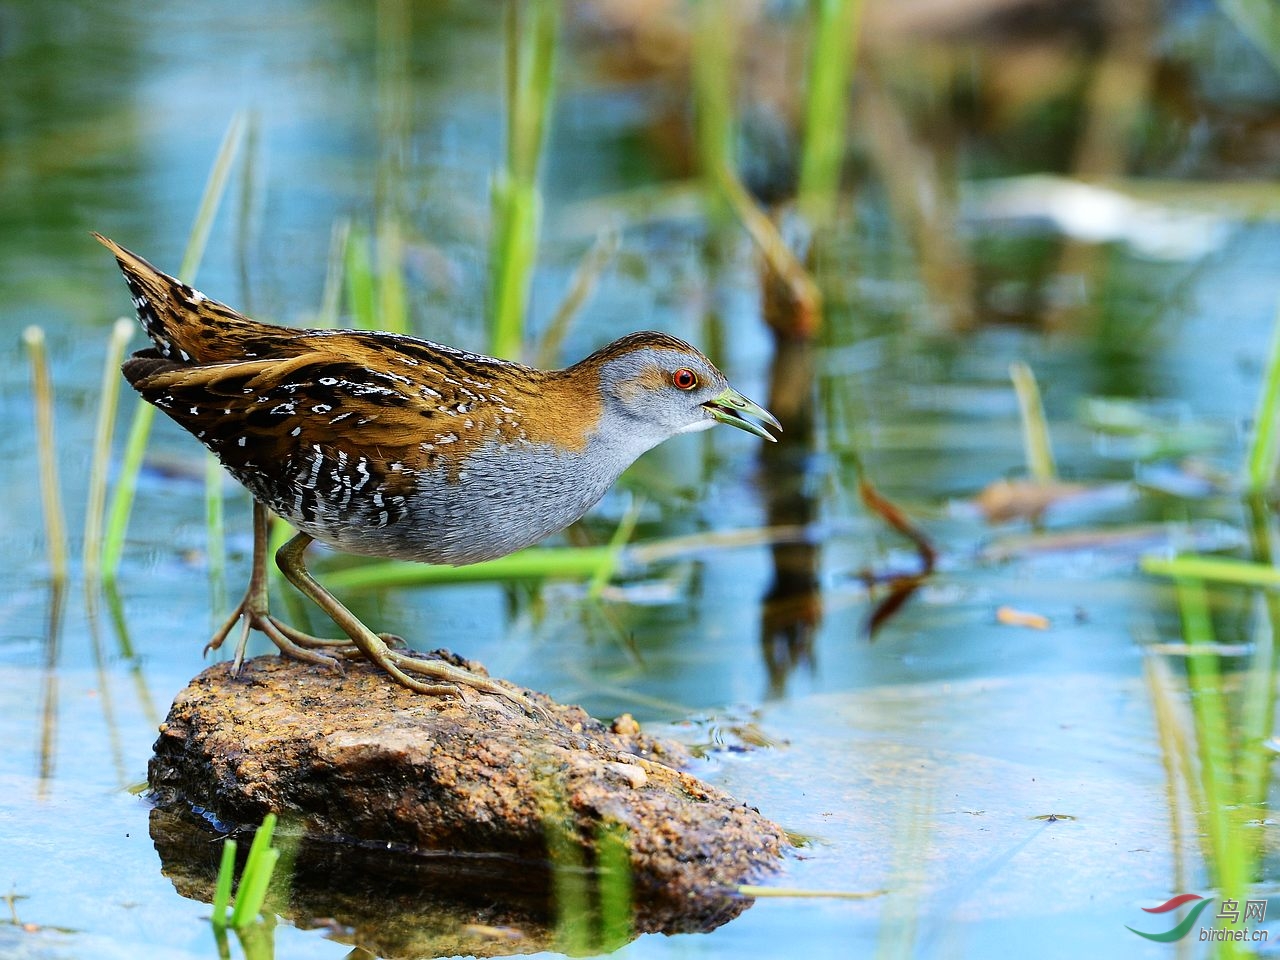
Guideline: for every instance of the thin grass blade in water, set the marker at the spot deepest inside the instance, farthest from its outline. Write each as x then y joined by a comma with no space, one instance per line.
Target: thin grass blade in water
55,524
144,413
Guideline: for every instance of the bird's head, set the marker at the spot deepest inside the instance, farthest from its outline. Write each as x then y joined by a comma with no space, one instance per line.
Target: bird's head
658,386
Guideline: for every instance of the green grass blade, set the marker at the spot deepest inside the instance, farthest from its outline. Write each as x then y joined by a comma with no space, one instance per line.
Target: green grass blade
715,41
362,295
222,890
331,299
261,840
562,563
1035,428
594,262
604,573
108,403
135,450
215,531
1214,569
1229,861
258,868
144,413
517,210
393,306
1260,463
802,893
55,523
1261,692
214,189
1258,708
831,55
532,39
253,890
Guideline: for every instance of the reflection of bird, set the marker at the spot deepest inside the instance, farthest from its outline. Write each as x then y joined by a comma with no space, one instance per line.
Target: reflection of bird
390,446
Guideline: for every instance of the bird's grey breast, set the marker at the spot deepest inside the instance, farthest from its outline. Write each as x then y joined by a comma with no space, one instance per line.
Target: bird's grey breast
495,500
502,497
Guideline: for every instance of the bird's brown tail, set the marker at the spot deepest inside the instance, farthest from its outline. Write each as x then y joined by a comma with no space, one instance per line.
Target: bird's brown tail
183,323
152,292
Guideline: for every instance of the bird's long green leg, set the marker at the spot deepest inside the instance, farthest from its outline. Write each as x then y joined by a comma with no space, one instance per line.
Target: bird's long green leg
449,679
253,611
253,608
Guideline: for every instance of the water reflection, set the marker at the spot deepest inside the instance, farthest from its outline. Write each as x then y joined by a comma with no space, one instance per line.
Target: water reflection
792,609
400,903
49,690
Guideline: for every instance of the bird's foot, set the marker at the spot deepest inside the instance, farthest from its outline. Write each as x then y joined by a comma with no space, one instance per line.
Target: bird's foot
252,614
386,650
452,680
250,617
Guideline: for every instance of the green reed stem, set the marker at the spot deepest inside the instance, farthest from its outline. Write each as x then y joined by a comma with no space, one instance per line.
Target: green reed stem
55,523
215,530
394,110
1258,706
1035,427
715,40
258,867
626,527
222,890
143,415
593,263
1258,711
108,403
832,51
1229,858
135,449
532,29
393,302
1260,463
214,189
561,563
1213,569
334,274
362,287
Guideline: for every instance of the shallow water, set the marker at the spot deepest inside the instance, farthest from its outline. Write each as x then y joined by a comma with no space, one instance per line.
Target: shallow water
920,765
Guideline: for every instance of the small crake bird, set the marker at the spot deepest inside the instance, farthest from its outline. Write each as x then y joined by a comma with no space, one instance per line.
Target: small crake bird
390,446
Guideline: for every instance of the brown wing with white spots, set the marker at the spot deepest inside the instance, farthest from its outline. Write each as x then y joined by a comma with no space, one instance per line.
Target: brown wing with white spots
313,436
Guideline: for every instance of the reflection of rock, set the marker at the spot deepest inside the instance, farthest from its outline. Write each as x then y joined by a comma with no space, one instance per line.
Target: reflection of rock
413,806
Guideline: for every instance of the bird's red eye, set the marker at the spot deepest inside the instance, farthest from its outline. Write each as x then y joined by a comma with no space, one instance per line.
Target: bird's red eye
684,378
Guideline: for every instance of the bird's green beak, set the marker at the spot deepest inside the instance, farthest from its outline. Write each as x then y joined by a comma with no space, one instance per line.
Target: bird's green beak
733,408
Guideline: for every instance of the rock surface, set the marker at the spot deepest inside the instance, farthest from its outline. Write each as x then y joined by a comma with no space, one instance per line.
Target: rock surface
472,787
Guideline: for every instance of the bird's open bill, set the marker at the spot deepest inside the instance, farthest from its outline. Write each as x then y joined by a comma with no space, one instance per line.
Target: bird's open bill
733,408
